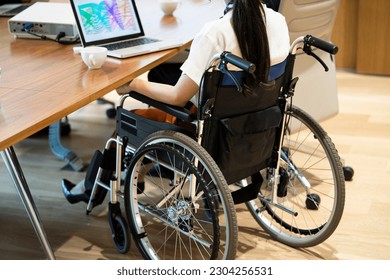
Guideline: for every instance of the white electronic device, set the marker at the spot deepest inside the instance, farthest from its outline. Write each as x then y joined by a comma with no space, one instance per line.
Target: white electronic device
45,20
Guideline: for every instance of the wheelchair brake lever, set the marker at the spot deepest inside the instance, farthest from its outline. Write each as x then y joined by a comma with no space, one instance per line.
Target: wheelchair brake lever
224,70
207,108
307,49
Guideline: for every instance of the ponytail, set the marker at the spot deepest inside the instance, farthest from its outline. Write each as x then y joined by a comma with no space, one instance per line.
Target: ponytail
250,28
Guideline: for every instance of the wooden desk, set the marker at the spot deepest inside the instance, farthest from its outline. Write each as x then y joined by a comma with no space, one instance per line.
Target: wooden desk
43,81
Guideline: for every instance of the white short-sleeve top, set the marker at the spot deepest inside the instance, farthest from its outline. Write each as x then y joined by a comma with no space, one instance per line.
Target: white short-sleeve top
218,36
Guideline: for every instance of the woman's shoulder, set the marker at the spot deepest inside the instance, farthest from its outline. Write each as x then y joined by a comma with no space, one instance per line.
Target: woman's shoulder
272,15
217,25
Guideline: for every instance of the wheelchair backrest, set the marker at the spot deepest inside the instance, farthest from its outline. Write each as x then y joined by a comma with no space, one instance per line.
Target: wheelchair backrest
241,128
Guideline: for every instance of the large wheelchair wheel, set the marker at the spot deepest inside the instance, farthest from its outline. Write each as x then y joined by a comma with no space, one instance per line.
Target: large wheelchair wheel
308,204
177,201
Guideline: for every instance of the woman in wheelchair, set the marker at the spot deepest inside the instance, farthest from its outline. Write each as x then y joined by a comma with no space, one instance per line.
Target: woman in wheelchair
248,29
234,32
249,143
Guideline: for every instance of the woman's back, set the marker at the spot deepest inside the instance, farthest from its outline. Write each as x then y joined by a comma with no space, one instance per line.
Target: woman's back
219,35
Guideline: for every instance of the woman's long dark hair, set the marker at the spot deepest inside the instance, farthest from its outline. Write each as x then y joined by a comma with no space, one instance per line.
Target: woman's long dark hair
250,28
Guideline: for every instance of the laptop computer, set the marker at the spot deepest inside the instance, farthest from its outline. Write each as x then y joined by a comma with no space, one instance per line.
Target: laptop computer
117,26
10,10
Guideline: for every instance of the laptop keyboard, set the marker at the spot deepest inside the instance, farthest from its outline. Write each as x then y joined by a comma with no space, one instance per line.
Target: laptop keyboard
130,43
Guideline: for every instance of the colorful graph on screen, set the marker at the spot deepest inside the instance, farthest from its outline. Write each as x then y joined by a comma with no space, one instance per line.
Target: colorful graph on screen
107,16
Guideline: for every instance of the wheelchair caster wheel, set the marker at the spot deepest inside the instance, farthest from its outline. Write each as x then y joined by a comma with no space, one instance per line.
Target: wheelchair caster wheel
119,229
313,201
120,234
348,173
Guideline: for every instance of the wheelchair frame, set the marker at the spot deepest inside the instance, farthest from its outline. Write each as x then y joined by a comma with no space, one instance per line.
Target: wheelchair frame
196,209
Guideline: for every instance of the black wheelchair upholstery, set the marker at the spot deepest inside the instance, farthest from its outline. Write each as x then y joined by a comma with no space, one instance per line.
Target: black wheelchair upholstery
240,131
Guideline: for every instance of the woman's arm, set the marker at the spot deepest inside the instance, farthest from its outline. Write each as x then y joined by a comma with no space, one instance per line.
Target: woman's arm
178,94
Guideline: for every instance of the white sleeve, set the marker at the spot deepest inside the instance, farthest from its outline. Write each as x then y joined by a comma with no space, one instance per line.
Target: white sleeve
203,48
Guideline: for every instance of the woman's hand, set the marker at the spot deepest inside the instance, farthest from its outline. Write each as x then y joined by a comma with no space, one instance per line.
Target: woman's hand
124,89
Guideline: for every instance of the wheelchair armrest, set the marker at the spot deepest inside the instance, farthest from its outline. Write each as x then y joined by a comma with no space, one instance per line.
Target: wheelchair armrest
179,112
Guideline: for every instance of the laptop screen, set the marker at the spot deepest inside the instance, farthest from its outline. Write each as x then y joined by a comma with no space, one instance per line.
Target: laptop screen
105,21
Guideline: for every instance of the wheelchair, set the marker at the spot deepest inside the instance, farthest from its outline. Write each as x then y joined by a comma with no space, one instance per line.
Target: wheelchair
246,143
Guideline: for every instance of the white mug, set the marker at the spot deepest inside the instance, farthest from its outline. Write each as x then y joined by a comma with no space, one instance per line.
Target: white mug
94,57
168,6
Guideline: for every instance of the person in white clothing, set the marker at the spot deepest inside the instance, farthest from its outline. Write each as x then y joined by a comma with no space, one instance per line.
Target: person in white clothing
249,30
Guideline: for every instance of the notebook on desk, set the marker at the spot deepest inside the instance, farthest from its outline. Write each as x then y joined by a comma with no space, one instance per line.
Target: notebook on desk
116,26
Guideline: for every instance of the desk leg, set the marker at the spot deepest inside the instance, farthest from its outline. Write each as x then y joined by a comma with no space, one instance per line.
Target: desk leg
60,151
17,176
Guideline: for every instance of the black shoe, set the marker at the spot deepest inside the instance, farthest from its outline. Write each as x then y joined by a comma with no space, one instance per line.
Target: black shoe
67,186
